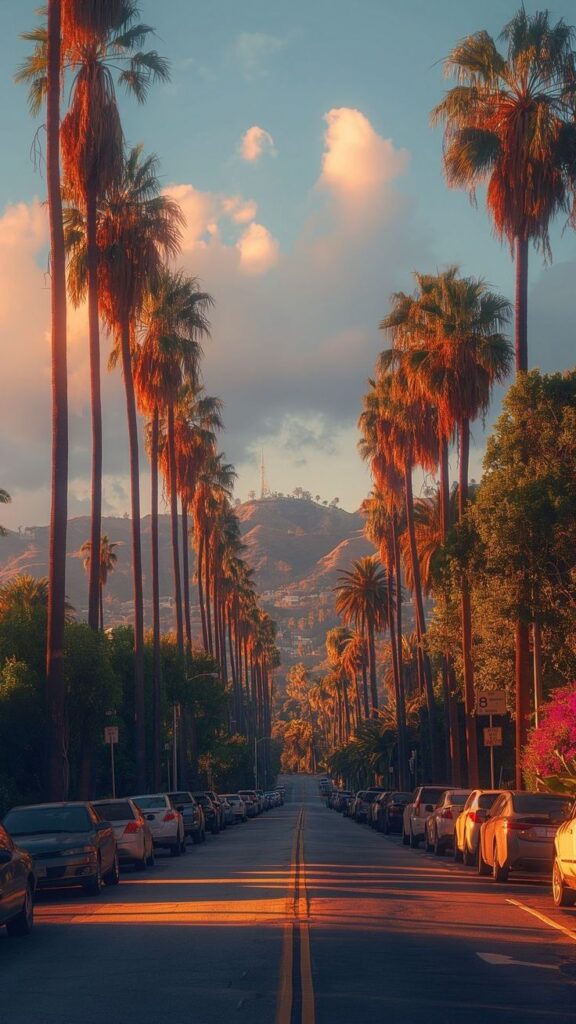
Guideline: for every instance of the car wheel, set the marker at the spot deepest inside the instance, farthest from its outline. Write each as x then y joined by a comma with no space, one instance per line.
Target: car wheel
467,856
414,842
499,873
483,867
112,877
428,846
95,885
457,853
438,846
141,865
405,838
386,827
197,837
151,858
176,849
561,894
23,923
183,845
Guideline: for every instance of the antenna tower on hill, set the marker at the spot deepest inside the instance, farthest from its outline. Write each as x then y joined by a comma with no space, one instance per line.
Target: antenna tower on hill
264,488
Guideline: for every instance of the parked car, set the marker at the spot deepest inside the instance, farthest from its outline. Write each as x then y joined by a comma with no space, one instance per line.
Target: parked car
362,801
254,798
468,822
341,799
281,790
17,885
373,809
229,817
439,829
237,805
133,836
192,813
348,806
390,810
423,802
69,843
165,822
212,813
519,833
250,802
564,864
219,808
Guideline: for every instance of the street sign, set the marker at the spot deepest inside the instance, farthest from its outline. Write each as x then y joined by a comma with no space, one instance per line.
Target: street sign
111,734
493,737
490,702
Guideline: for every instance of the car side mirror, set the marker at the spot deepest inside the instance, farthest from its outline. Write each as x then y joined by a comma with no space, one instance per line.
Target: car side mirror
5,855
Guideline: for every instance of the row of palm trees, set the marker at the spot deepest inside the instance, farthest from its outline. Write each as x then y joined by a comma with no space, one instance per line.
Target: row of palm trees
509,124
114,236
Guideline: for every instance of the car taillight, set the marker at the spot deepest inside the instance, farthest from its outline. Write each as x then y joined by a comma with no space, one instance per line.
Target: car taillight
517,826
447,813
477,817
131,827
169,816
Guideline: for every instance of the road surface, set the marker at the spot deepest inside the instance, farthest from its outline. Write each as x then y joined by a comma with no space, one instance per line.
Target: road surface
297,917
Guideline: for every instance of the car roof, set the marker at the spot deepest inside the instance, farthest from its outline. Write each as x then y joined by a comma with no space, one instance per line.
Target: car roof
58,803
113,800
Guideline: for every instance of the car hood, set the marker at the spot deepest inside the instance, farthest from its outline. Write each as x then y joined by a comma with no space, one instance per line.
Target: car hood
38,845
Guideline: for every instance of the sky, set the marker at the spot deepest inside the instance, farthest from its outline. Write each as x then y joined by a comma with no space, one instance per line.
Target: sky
296,138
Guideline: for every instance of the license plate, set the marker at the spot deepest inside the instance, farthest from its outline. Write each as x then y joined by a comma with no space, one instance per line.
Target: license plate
544,833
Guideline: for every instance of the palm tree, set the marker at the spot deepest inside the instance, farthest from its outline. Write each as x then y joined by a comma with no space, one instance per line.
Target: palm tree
449,341
174,319
96,39
5,499
138,229
362,601
507,124
107,564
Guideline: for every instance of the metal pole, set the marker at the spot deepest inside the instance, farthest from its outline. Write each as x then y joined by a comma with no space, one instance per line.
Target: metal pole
175,746
113,771
492,786
255,763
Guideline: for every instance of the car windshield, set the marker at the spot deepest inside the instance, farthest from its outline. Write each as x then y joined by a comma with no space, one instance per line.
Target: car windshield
28,821
370,797
181,798
116,811
149,803
203,799
460,798
396,798
232,798
553,808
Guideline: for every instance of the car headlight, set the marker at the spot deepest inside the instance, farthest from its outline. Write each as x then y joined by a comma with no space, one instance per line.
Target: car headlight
79,851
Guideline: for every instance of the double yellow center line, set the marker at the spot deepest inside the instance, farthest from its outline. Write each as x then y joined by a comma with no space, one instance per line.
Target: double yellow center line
296,991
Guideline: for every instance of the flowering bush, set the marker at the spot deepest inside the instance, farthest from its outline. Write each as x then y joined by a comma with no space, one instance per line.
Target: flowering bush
550,754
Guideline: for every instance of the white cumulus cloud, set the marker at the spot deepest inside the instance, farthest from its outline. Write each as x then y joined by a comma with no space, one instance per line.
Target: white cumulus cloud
259,251
358,163
255,142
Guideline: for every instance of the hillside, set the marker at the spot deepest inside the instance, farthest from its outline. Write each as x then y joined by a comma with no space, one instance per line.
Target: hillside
296,547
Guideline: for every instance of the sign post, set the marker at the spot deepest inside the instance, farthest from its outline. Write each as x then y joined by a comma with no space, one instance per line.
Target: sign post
492,738
491,702
111,738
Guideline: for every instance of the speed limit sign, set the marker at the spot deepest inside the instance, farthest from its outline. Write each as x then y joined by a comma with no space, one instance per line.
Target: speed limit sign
490,702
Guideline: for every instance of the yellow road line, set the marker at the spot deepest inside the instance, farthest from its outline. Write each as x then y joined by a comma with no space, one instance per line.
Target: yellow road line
544,918
296,936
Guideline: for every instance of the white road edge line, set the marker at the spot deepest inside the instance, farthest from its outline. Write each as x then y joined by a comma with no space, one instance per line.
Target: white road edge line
544,918
500,960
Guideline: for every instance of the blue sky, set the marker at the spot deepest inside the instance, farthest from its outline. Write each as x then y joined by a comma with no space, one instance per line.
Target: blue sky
306,315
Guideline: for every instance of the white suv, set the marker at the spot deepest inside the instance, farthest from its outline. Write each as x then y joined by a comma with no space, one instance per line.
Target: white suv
416,813
165,822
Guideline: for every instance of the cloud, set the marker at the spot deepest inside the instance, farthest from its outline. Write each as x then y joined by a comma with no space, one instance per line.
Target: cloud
255,142
358,164
259,251
253,50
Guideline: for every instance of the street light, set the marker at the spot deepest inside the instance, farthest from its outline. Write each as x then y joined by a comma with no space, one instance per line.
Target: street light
256,742
175,714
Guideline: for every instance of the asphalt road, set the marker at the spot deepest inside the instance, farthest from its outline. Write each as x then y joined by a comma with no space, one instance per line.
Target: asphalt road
297,917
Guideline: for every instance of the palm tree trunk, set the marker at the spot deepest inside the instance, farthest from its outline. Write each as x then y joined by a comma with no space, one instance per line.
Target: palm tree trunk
156,654
372,667
173,483
186,576
139,704
101,607
55,683
398,693
420,618
521,306
398,579
208,570
96,408
365,689
200,571
450,710
466,616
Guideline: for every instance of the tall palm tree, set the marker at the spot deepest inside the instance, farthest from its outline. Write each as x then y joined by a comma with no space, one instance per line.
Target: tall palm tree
362,601
138,229
507,124
96,40
174,319
106,565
